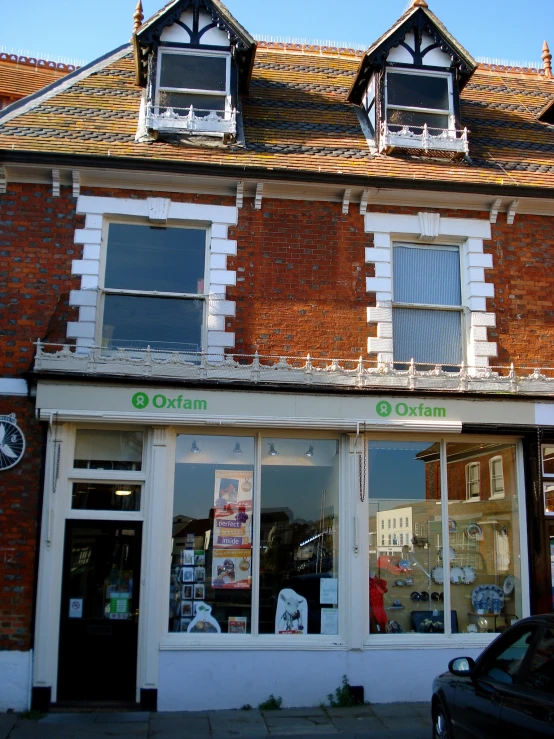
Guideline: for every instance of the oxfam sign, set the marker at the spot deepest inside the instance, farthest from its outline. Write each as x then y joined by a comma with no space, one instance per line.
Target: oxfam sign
402,409
142,400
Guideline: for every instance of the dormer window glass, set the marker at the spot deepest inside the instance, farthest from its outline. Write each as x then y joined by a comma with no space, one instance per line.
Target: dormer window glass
189,78
417,98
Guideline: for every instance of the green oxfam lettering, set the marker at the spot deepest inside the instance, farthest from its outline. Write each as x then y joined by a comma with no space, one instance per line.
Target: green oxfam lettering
142,400
384,409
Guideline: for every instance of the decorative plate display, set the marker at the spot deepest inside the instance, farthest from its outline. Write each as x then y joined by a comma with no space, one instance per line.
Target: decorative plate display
509,584
457,575
437,573
393,627
451,551
404,564
482,597
474,531
469,575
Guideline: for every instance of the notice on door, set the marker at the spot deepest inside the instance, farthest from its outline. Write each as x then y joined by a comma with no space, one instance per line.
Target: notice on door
75,608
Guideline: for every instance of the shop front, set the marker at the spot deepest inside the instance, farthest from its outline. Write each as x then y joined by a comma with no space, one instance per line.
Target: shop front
204,547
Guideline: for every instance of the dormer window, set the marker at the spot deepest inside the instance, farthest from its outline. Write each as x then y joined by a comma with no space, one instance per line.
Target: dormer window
417,99
193,92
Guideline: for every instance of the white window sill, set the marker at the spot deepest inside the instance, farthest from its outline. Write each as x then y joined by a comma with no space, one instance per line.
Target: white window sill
176,642
498,496
430,641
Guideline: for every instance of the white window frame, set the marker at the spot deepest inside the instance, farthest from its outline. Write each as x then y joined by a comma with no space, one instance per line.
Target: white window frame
470,480
430,306
493,478
103,291
437,111
185,90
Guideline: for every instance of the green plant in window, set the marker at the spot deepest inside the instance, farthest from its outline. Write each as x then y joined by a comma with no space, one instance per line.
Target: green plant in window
344,697
271,704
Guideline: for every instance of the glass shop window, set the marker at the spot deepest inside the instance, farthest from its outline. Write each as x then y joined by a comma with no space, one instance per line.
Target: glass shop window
211,561
406,581
484,541
548,461
105,496
153,294
108,450
299,537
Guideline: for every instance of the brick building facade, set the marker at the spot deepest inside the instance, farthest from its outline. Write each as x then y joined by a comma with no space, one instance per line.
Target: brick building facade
325,245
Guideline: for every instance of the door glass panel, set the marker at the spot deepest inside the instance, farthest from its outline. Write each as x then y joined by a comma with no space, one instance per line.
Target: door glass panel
406,564
299,542
211,569
108,450
484,536
102,496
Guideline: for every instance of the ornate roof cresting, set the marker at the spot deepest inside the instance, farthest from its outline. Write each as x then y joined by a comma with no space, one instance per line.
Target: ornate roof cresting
547,59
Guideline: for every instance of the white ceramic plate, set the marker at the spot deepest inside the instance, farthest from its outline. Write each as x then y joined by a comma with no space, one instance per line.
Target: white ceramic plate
474,531
509,584
457,575
452,552
469,575
437,573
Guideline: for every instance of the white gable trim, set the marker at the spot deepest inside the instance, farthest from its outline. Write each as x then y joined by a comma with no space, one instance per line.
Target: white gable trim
217,217
469,233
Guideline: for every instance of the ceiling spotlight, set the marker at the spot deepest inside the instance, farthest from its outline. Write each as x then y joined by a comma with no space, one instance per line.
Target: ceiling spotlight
310,452
195,449
237,449
272,451
123,491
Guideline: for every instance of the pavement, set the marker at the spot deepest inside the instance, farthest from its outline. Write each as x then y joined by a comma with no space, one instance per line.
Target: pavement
379,721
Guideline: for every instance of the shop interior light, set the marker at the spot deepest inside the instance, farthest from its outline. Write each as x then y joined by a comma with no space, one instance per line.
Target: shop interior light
272,451
310,452
123,491
195,449
237,449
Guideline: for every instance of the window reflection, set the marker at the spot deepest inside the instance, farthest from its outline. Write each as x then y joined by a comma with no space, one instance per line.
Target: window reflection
299,536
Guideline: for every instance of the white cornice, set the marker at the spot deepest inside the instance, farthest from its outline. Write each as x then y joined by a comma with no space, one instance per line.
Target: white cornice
285,190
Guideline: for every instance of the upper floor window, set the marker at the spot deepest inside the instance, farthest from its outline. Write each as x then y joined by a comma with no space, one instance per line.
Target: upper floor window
154,292
473,481
427,304
200,80
496,469
417,99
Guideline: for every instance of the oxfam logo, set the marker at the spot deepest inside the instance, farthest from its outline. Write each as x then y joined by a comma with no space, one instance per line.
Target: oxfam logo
140,400
384,409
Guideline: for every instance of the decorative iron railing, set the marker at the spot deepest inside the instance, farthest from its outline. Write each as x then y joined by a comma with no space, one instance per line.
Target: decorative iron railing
258,369
423,137
164,118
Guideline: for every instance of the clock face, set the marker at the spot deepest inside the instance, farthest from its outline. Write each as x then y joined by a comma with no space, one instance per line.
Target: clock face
12,442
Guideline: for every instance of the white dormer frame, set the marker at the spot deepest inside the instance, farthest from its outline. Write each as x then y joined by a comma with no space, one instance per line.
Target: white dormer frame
204,121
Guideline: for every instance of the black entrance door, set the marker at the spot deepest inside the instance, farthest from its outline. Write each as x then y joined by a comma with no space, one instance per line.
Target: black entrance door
99,613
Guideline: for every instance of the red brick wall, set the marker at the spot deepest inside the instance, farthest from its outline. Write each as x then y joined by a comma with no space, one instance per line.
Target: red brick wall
19,515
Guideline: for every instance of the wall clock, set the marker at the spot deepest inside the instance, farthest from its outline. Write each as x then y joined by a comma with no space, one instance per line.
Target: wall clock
12,442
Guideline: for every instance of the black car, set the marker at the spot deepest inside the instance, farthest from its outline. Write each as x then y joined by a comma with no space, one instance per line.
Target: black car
508,692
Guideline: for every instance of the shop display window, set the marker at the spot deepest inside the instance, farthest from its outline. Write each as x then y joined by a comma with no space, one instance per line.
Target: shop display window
409,572
548,498
548,460
406,575
299,536
100,496
211,559
485,572
108,450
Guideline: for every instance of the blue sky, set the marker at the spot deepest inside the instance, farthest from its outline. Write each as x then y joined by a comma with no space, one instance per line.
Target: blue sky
85,29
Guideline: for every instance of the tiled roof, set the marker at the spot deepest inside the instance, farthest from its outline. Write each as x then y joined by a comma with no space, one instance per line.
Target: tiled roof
20,76
296,118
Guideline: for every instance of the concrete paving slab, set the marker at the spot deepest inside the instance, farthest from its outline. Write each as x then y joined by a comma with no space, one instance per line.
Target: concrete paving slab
393,709
405,723
180,714
295,725
73,719
182,726
33,730
365,724
7,722
128,717
104,730
351,711
304,712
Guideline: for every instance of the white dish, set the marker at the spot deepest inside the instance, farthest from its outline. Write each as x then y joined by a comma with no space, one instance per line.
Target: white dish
485,594
469,575
452,553
509,584
457,575
437,573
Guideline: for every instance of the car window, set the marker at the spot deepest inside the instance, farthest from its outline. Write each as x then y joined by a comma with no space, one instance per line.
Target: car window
504,661
540,670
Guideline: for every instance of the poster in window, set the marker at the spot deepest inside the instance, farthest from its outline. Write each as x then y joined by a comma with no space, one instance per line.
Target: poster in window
231,569
233,509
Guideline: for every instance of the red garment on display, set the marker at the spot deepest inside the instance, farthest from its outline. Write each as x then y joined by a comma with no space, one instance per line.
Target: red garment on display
377,590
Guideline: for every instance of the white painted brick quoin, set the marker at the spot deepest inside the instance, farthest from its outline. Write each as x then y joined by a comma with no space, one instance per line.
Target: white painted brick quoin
217,218
429,227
